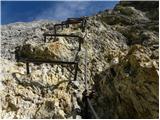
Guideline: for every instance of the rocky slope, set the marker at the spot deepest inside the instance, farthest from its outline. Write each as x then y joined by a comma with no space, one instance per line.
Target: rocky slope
123,55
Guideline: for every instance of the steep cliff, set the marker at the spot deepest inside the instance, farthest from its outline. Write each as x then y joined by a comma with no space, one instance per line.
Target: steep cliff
123,63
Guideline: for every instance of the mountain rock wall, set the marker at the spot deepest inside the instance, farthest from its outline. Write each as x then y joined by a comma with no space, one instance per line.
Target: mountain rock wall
123,64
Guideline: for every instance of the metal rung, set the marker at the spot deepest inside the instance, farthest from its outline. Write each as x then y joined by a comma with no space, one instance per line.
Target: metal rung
72,21
80,39
46,61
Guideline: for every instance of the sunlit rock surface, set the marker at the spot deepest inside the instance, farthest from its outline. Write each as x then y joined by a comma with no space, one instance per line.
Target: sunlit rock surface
123,64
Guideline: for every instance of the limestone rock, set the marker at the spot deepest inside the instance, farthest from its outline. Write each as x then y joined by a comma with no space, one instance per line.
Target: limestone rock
49,51
123,64
133,91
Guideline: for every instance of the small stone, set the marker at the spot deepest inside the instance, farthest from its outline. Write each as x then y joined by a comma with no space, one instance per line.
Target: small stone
78,117
75,84
61,114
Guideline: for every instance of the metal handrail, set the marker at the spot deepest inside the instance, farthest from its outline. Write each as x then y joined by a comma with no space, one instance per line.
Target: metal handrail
86,93
92,109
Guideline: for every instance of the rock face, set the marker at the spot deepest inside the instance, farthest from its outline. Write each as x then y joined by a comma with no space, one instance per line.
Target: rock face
130,88
48,51
123,64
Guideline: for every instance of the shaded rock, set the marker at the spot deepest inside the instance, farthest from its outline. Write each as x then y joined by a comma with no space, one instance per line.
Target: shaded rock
133,93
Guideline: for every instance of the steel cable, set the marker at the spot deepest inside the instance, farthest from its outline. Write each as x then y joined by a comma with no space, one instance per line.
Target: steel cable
88,102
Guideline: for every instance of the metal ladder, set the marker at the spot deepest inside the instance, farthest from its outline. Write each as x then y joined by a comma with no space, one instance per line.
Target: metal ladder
82,21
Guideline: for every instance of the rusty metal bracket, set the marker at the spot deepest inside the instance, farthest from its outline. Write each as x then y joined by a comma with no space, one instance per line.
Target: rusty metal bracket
27,61
75,62
69,21
80,39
